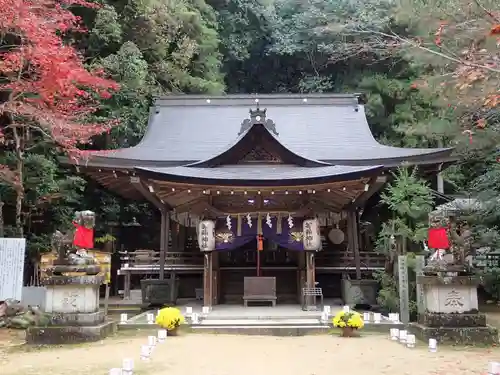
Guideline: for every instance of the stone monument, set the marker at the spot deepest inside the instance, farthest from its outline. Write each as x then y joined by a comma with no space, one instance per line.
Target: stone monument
72,296
449,290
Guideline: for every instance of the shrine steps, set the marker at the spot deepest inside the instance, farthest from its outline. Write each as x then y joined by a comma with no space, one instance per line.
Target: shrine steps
263,330
294,325
277,321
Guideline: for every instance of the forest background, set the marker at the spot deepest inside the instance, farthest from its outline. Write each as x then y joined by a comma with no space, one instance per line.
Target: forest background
430,70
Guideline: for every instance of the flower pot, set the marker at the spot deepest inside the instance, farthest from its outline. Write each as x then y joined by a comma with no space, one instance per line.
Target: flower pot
173,332
348,332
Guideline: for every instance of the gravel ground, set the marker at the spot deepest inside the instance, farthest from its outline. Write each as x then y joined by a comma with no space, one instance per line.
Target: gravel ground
251,355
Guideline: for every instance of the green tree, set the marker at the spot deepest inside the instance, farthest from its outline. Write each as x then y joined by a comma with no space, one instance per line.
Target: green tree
409,199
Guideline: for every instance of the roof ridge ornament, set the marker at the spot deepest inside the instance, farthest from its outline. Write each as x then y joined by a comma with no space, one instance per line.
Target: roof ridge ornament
258,116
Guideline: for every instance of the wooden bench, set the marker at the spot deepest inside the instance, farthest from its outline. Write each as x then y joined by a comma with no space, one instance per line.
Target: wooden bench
259,289
310,294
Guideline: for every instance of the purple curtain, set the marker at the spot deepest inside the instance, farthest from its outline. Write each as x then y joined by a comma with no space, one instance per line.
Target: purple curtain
226,239
289,238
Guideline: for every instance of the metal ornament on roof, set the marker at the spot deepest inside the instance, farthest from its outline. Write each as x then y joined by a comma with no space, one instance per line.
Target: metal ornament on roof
206,235
258,116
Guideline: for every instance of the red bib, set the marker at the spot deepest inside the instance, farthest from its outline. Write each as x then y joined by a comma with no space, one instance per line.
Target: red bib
438,238
84,237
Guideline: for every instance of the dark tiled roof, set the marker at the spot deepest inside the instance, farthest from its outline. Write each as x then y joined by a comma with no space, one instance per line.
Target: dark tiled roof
261,175
329,128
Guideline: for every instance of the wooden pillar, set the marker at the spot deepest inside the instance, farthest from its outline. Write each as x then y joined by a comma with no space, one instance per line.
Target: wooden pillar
215,278
207,279
127,284
164,235
174,233
310,274
182,238
301,274
353,240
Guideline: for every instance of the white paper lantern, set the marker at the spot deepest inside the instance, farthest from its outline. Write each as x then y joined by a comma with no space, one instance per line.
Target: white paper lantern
127,366
377,318
145,353
189,310
410,341
324,317
311,234
151,342
123,318
494,368
162,335
394,333
402,336
366,316
205,310
432,345
346,309
327,310
151,318
206,235
195,318
115,371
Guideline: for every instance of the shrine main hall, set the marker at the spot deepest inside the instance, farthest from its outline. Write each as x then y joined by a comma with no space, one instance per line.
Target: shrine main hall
258,194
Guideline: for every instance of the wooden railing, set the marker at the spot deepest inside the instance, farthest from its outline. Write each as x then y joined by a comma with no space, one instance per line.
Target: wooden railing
369,259
339,259
152,257
487,260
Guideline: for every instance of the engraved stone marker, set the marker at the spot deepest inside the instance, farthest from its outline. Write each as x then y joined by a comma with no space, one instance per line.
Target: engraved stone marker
11,267
404,304
454,299
419,270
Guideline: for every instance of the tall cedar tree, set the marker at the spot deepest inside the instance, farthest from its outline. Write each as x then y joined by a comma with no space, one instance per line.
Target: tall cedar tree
47,93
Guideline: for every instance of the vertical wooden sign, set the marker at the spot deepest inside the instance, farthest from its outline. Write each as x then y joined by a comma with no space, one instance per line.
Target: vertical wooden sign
419,270
404,303
12,252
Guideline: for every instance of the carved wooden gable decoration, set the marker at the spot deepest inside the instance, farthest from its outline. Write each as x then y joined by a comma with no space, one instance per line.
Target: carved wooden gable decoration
262,149
260,154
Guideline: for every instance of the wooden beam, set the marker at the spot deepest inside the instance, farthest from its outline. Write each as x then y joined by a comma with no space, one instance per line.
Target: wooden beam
264,189
328,206
186,206
374,185
146,193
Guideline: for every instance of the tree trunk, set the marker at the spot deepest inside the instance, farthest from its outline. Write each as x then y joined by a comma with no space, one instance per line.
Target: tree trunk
19,186
2,233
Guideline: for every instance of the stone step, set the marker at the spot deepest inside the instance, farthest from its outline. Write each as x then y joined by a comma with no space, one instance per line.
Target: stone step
264,330
260,322
263,315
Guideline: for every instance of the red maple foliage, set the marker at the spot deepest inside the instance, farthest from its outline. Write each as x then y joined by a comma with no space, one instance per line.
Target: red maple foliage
50,90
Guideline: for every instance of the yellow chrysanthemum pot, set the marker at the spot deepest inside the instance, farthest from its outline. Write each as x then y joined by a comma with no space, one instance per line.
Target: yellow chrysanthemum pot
170,318
349,322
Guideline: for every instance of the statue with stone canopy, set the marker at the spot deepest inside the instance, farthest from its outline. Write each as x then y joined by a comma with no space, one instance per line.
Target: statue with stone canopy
71,247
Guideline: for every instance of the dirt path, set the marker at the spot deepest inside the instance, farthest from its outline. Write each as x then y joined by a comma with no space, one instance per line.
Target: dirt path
251,355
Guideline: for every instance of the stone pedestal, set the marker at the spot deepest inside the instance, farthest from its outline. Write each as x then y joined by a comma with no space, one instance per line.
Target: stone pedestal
451,312
359,292
73,305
